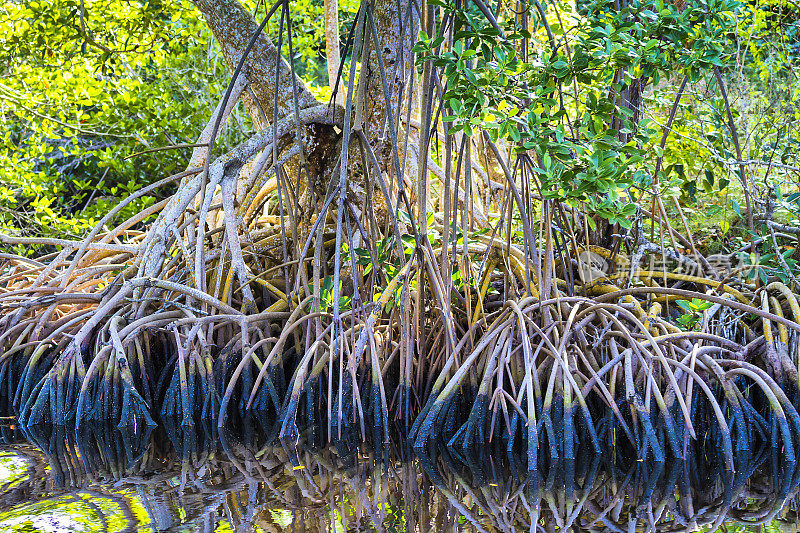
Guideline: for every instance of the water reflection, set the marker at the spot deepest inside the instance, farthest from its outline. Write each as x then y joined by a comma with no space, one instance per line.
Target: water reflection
178,478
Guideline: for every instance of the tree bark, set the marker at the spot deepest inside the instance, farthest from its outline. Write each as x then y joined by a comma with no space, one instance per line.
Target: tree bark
397,24
233,27
390,63
332,49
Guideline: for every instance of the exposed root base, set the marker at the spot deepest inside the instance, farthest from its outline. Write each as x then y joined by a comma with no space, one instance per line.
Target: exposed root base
599,379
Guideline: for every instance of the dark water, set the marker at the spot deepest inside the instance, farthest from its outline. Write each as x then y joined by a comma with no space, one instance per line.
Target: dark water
197,479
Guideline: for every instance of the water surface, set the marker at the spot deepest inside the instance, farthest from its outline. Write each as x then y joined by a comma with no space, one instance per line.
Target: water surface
197,479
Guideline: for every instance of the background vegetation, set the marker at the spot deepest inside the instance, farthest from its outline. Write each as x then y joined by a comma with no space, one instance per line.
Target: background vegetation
87,87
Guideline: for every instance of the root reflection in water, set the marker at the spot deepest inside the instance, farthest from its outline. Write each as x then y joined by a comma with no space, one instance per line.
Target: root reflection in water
178,478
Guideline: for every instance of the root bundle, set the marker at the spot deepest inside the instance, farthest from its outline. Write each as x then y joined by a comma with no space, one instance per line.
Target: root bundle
306,281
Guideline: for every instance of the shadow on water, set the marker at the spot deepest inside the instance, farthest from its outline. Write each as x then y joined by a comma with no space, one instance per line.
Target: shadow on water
175,478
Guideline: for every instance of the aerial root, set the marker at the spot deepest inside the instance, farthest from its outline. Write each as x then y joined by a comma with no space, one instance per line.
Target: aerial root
488,347
551,377
610,383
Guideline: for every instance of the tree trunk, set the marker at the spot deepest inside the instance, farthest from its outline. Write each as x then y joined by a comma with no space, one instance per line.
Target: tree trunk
233,27
332,49
396,23
396,28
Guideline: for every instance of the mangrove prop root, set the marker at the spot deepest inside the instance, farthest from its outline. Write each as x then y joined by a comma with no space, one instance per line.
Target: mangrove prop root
333,303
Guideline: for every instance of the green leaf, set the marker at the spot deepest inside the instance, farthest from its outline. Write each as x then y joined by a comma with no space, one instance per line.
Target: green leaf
735,206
